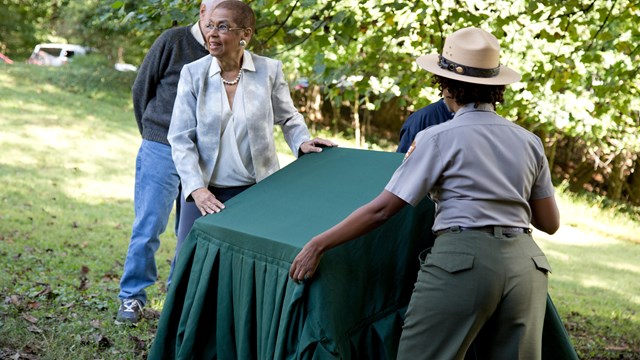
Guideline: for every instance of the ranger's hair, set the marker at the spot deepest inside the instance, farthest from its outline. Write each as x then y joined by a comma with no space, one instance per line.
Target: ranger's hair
465,93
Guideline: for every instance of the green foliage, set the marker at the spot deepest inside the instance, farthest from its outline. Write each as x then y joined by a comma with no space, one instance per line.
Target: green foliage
24,24
103,26
134,25
577,57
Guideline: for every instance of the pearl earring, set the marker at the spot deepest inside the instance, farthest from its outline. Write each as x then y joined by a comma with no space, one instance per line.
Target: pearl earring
243,43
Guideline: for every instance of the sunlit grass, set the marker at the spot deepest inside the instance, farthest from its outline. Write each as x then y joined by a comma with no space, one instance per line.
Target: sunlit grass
92,143
595,258
595,248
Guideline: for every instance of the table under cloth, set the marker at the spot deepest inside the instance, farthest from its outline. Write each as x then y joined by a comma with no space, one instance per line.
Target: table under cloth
231,296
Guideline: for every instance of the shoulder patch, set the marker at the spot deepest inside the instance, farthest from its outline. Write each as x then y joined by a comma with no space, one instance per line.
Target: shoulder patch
411,148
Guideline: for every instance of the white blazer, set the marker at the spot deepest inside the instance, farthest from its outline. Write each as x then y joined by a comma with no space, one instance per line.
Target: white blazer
194,133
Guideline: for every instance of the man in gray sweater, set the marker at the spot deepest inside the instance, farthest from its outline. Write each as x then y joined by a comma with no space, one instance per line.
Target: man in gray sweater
156,181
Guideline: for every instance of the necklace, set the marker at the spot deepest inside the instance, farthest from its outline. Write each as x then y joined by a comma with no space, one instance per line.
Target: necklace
230,83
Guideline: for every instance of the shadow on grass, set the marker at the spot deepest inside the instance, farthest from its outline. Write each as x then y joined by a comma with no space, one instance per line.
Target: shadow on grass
62,258
66,174
598,331
47,105
97,80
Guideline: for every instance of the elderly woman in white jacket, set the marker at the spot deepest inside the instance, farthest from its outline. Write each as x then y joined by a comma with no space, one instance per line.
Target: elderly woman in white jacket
221,131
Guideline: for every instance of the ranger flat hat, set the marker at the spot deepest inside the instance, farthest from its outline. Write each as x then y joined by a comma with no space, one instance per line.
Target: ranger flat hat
471,55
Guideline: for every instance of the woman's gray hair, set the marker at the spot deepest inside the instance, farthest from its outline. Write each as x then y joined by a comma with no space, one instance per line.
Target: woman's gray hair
242,13
207,3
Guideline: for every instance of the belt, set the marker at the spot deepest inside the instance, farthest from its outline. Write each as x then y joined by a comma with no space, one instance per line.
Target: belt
486,229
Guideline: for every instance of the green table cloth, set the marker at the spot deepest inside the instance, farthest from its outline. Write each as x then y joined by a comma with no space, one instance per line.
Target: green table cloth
231,296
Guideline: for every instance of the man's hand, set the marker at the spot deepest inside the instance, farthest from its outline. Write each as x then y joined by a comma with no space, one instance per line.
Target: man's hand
206,201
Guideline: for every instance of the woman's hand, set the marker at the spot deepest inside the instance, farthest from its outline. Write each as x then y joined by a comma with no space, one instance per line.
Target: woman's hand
206,201
315,145
305,263
360,222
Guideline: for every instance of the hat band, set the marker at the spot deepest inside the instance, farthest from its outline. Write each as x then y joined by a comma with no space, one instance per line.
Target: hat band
468,70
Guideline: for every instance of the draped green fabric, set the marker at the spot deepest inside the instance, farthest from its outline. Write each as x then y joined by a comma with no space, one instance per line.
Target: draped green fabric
231,296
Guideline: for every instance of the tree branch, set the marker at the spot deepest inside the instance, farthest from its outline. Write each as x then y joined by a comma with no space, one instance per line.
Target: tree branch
281,25
572,13
604,23
402,27
320,24
439,23
303,39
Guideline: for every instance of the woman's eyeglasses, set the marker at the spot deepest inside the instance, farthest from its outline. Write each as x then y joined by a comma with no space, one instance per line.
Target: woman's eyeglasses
222,28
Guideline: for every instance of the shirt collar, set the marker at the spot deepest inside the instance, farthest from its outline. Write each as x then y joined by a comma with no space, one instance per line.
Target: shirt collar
247,64
471,107
197,34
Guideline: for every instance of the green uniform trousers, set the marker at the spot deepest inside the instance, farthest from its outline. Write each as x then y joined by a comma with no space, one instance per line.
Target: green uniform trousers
476,284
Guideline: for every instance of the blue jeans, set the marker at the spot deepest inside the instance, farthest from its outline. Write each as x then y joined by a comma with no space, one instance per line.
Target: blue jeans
156,189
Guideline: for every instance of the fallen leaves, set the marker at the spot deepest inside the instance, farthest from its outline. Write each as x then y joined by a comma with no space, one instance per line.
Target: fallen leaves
59,302
102,341
30,318
6,353
617,348
34,329
67,305
43,292
13,300
84,279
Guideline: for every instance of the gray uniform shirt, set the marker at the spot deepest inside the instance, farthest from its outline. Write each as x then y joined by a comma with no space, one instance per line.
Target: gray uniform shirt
479,168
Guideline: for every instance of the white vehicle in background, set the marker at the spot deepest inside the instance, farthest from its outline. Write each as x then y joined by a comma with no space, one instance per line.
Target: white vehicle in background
55,54
125,67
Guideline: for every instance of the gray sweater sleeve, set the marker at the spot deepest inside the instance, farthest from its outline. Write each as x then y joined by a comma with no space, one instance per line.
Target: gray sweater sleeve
154,90
144,87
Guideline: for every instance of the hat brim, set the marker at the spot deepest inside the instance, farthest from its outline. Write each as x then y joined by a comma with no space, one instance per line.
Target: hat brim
430,63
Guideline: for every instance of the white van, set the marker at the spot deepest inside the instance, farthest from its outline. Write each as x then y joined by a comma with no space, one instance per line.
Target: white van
55,54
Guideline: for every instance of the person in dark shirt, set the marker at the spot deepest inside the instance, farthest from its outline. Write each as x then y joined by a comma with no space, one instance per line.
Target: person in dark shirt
433,114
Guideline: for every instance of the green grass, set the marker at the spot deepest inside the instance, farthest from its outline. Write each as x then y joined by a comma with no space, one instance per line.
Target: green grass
68,144
66,175
596,265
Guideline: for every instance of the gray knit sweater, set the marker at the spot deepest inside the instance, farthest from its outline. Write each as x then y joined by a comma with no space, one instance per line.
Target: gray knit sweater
154,90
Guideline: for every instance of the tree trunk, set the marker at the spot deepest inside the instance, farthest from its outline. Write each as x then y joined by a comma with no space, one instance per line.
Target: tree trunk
552,154
314,101
634,182
336,117
580,176
367,125
356,120
615,183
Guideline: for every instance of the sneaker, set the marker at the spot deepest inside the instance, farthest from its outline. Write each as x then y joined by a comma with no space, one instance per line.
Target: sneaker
130,311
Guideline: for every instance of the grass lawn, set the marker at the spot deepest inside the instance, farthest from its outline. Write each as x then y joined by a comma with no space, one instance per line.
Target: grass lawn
68,144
